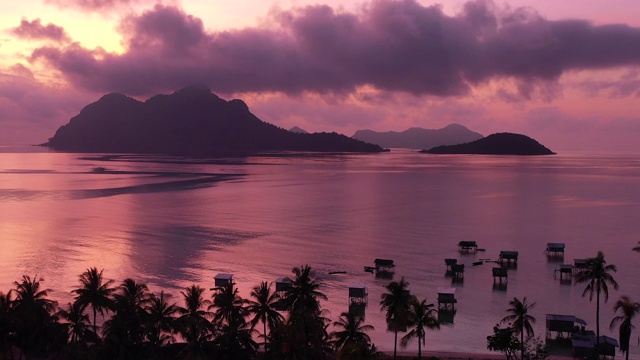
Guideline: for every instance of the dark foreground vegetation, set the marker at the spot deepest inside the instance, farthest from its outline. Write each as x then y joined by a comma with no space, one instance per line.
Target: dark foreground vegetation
288,324
139,324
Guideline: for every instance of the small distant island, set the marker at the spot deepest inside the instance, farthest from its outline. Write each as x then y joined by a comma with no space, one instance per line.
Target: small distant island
495,144
190,122
419,138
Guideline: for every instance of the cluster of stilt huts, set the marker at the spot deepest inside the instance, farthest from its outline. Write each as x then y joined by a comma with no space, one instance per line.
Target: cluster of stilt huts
561,330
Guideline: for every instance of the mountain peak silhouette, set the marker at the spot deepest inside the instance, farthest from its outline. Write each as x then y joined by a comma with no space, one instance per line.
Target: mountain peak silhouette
192,121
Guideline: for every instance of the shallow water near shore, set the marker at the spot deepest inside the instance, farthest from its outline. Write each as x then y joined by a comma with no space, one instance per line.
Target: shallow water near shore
172,222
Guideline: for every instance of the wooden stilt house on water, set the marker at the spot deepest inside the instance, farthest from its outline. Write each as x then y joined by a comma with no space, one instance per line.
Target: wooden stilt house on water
283,284
384,268
450,263
584,346
384,265
583,342
446,305
223,280
566,271
555,249
563,326
446,299
507,258
358,293
579,265
500,273
358,297
468,246
457,272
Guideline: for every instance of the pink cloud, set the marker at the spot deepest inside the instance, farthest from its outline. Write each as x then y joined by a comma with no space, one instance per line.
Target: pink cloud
390,45
32,111
92,5
34,30
623,86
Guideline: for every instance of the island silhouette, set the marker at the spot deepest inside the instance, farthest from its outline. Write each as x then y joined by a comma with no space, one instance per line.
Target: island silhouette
192,122
495,144
419,138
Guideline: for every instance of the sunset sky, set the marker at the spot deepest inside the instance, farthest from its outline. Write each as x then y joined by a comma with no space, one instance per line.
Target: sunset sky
564,72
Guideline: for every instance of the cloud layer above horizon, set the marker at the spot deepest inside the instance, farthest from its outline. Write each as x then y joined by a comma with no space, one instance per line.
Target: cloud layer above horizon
385,64
390,45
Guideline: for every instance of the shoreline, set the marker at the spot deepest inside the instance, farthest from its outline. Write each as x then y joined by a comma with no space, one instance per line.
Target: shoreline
446,355
459,355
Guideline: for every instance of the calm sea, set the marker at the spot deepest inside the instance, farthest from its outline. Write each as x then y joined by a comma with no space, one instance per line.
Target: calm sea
172,222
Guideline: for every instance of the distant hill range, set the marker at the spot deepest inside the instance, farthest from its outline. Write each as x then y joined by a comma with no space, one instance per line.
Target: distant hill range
192,121
419,138
496,144
298,130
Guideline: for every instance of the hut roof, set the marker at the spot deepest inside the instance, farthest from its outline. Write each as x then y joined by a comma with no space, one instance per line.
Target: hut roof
444,290
466,243
222,276
555,245
384,262
565,318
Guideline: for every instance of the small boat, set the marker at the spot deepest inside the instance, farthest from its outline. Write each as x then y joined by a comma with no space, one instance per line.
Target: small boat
337,272
369,269
476,263
481,249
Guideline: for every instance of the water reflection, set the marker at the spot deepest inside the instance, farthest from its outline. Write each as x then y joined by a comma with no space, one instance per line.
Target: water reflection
446,317
172,252
60,217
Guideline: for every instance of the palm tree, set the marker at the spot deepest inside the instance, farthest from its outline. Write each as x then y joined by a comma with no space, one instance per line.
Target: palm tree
95,293
29,294
264,308
396,303
235,341
78,324
421,316
304,295
228,305
352,334
629,311
125,330
235,338
34,314
520,319
6,314
160,322
193,324
306,321
597,275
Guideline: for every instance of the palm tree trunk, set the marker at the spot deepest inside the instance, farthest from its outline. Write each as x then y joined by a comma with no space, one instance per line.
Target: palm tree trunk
597,350
265,336
95,327
419,348
395,344
522,344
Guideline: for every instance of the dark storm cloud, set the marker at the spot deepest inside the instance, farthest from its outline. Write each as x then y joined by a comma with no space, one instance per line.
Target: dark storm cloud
391,45
34,30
